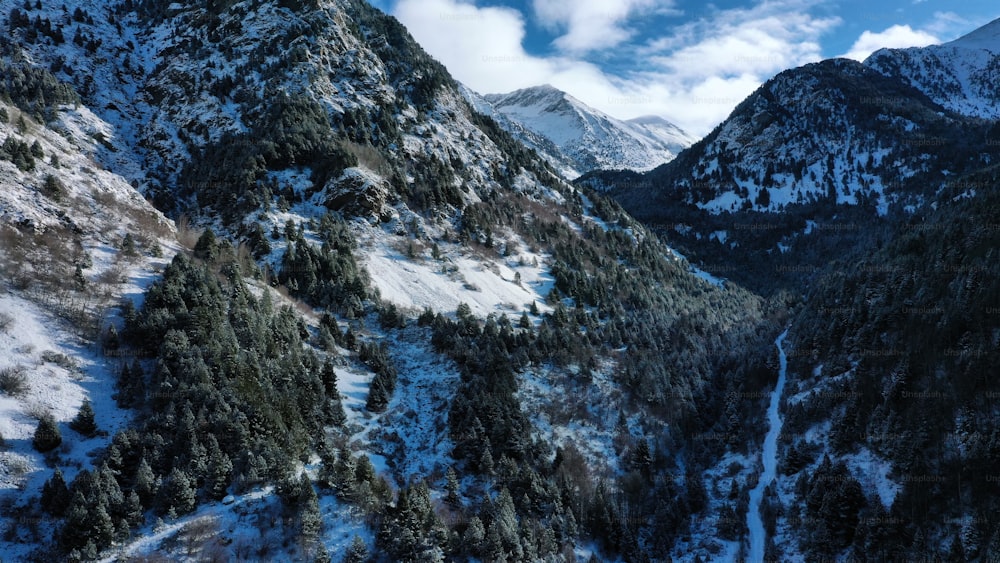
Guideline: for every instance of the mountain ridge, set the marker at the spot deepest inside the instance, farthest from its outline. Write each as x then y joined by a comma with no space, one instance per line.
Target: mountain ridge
867,189
586,138
380,301
960,75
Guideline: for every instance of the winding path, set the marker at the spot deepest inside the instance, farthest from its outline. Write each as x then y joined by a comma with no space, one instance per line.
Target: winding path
758,537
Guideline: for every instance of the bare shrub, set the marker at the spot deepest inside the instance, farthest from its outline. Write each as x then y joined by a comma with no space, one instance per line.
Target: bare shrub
36,410
61,360
414,249
369,157
13,381
13,252
17,468
150,222
187,234
106,199
113,276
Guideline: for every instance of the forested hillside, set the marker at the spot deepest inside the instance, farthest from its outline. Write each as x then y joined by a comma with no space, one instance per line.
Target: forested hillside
390,331
871,191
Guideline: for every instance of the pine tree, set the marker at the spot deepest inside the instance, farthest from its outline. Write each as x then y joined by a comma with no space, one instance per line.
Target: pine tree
357,552
55,495
128,245
310,520
207,248
453,488
378,393
179,494
47,435
219,470
475,536
364,471
146,483
133,509
642,458
486,461
84,423
343,472
505,521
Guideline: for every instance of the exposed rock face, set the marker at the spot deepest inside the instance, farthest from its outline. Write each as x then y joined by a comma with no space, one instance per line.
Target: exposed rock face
361,193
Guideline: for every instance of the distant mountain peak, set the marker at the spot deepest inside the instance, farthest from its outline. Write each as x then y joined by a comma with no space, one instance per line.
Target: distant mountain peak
960,75
649,119
986,37
579,138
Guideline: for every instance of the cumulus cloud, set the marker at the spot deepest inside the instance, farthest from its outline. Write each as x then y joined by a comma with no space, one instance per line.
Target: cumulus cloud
483,47
454,33
694,75
895,37
592,24
714,63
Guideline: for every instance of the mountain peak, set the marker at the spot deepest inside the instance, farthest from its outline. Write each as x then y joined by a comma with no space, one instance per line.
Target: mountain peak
986,37
587,138
964,66
534,95
648,120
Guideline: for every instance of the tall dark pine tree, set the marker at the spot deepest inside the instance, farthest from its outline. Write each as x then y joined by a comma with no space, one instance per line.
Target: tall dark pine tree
84,422
55,495
47,435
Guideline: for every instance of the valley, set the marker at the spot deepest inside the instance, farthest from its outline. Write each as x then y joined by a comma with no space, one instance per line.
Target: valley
275,286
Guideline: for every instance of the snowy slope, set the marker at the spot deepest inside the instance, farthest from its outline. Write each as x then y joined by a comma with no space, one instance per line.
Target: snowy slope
835,132
63,271
962,75
564,163
161,92
586,137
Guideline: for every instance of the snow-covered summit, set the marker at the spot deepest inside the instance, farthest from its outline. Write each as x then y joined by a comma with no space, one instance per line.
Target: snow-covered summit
585,138
962,75
986,37
661,128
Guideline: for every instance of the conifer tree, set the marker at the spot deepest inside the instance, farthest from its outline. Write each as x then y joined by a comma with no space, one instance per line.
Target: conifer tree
310,520
179,494
84,423
55,495
357,552
146,483
47,435
453,488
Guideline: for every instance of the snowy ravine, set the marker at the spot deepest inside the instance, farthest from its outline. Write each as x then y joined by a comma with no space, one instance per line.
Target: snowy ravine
770,458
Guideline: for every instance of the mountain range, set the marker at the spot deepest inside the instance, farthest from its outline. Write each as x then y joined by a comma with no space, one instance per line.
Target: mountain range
275,286
576,138
354,338
865,193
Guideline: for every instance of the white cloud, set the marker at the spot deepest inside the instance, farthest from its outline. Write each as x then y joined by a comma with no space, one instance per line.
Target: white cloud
694,76
592,24
482,47
949,25
714,63
895,37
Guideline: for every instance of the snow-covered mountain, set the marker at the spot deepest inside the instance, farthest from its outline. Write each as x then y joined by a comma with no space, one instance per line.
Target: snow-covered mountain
868,194
962,75
892,130
379,304
390,331
577,138
833,141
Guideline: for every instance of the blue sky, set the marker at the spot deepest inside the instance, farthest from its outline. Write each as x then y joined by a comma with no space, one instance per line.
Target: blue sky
690,62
